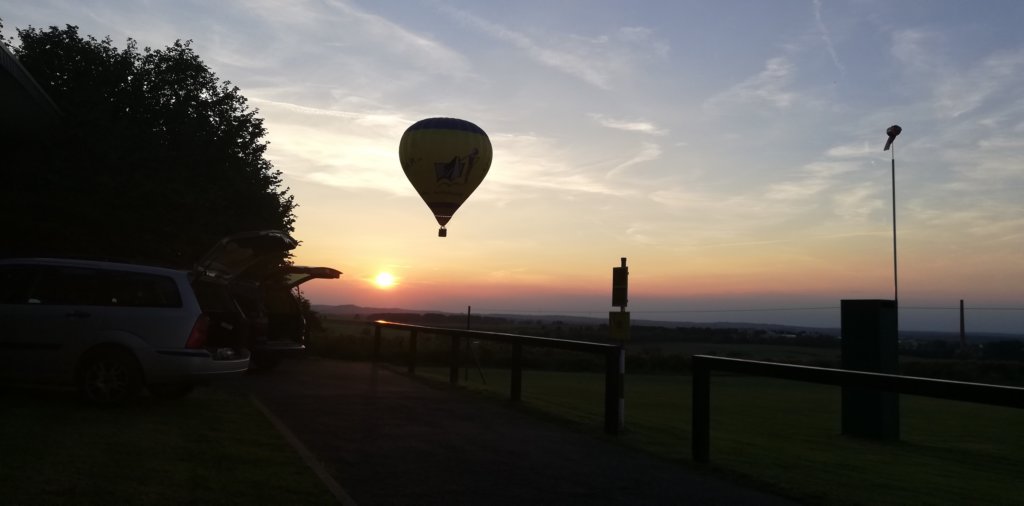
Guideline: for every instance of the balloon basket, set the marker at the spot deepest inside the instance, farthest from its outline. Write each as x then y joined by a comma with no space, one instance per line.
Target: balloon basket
442,232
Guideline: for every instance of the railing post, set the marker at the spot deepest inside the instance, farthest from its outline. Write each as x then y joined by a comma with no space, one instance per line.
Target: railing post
376,342
516,393
614,370
701,424
412,352
453,366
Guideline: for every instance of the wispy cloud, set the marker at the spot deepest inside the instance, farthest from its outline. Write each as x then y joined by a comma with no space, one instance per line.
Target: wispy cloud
699,215
858,202
570,63
530,161
649,151
796,190
343,149
858,150
645,37
392,37
911,48
962,92
316,42
595,60
641,126
643,233
390,121
826,37
830,188
770,86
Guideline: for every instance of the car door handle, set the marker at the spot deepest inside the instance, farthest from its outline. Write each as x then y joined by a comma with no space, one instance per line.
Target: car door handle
77,314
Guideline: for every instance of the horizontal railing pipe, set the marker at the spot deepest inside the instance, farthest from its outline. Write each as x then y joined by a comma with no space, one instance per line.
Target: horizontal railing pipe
614,360
995,395
541,342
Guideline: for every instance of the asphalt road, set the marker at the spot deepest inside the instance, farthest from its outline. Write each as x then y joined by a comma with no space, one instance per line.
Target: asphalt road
388,439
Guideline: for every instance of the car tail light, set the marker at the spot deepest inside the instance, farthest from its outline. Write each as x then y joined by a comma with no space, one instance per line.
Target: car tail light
200,331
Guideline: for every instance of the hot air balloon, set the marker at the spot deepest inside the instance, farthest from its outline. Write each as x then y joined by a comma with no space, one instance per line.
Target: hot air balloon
445,159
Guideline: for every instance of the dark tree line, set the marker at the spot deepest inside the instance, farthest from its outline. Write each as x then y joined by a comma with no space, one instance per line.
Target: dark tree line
154,158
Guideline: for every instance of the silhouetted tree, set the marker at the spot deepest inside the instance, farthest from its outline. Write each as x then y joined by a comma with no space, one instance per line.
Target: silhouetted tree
155,158
4,40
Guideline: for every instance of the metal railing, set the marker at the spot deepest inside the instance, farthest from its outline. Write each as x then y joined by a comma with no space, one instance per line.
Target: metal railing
615,360
995,395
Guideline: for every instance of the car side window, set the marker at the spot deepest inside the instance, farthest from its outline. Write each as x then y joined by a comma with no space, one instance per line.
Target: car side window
136,289
75,286
67,286
14,283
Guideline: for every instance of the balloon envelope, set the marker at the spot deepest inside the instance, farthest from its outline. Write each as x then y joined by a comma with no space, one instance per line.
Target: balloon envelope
445,159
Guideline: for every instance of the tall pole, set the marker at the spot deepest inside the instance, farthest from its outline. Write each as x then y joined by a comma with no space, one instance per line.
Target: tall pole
892,132
895,267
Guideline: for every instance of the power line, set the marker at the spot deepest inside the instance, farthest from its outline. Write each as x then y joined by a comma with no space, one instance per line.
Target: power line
746,310
742,310
660,311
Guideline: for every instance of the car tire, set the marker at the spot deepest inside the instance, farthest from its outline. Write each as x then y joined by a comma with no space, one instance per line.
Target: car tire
170,391
109,377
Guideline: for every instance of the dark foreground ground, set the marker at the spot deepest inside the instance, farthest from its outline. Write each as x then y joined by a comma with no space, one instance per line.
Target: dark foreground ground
388,439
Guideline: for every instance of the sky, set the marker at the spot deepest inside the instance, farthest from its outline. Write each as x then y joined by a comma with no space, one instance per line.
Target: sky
731,151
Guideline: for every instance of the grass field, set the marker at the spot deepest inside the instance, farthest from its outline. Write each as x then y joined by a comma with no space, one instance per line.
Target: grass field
784,436
781,435
213,447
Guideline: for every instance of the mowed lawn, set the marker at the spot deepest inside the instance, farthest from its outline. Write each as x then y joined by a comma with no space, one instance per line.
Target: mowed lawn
212,447
784,436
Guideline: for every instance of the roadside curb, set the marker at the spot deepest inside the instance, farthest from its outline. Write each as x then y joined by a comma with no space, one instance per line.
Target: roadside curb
307,456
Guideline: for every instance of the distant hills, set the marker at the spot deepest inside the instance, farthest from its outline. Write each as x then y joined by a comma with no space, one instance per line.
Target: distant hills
350,310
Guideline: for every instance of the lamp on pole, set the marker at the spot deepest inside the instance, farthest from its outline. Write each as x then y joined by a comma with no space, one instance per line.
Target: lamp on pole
892,132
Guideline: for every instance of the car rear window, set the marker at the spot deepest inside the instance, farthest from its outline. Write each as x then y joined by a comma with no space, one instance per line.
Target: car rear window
213,297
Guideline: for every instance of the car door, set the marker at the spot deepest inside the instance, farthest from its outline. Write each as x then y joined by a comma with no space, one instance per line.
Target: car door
245,255
57,311
295,275
15,280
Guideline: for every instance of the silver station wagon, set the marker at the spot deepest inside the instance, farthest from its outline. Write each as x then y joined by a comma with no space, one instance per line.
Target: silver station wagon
112,329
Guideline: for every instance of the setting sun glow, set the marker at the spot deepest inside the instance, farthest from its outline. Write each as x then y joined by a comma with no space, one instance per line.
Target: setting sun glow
384,280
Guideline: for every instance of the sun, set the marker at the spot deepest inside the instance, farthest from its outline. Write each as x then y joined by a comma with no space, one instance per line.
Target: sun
384,280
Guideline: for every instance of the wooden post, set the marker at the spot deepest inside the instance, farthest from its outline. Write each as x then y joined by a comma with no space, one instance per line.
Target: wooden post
701,413
963,332
613,390
453,366
516,390
465,373
376,343
412,352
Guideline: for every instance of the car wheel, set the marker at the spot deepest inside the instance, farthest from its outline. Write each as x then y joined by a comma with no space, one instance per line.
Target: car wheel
170,390
109,377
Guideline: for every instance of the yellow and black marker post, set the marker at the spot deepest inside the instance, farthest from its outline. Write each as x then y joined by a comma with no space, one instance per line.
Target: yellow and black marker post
618,321
618,325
